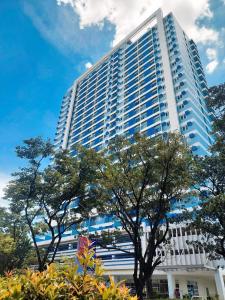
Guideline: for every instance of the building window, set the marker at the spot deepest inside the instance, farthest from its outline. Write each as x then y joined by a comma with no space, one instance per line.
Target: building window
160,287
192,287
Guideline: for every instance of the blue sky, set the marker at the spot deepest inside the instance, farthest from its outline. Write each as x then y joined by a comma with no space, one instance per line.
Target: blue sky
45,45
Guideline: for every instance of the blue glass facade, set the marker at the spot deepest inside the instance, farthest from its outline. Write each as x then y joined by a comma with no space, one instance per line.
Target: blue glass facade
127,92
190,87
119,96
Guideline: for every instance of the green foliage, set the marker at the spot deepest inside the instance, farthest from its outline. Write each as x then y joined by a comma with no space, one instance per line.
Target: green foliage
216,100
144,174
210,179
137,182
7,249
15,245
216,104
210,217
209,176
42,193
63,282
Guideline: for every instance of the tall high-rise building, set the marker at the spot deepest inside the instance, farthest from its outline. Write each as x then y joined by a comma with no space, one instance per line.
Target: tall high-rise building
151,82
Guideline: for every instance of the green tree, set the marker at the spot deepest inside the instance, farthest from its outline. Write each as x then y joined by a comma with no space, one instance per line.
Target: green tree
210,215
216,104
210,183
7,250
15,245
137,182
216,100
43,192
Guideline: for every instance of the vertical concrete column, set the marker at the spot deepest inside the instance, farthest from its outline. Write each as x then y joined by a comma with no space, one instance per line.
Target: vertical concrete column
170,94
171,284
143,239
220,284
69,117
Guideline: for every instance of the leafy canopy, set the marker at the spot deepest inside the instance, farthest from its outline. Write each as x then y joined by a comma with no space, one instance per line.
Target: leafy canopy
138,181
49,193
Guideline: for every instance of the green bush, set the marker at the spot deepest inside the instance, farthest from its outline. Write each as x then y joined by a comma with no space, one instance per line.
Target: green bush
63,282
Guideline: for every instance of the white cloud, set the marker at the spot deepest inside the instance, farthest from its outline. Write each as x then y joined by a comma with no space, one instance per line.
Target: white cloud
204,35
127,14
60,27
212,56
211,53
210,68
4,179
88,65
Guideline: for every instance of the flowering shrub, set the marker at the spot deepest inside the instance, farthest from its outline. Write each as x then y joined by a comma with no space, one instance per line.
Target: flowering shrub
63,282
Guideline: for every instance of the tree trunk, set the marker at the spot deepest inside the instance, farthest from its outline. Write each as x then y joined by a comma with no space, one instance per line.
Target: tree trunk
138,282
35,246
55,248
139,286
149,289
42,267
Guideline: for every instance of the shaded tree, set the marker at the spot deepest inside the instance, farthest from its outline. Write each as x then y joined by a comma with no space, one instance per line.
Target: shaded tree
49,194
216,101
7,250
216,105
137,182
15,245
209,216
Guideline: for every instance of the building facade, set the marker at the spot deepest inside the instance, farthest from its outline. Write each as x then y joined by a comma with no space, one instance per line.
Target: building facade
151,82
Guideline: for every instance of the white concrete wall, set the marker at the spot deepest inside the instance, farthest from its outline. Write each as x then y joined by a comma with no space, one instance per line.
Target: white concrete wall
203,283
170,95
